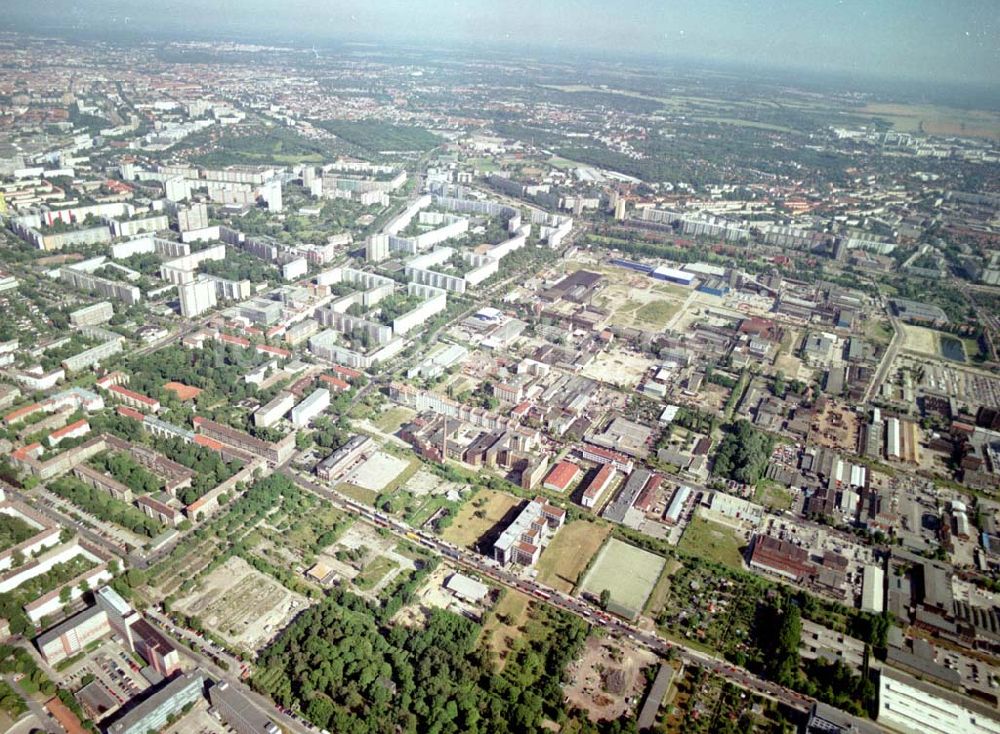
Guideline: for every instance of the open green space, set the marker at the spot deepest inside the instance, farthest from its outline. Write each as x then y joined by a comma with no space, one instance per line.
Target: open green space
569,552
390,420
374,572
712,541
382,136
772,495
483,512
104,507
347,668
657,312
361,494
627,573
14,530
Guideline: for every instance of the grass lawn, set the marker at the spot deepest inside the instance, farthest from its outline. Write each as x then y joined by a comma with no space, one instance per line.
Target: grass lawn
711,541
501,630
483,164
466,529
558,162
425,508
390,420
972,349
627,572
657,312
374,572
355,492
569,553
661,592
307,528
878,331
771,495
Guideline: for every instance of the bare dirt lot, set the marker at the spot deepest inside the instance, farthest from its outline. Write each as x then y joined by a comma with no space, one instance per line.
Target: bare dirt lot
618,367
604,676
837,427
241,604
920,339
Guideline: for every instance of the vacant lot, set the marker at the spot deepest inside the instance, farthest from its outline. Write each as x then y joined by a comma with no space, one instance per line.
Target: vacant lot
606,675
636,300
921,339
627,572
374,572
378,471
501,629
773,495
657,313
618,367
241,604
661,592
569,553
477,518
360,494
391,419
712,541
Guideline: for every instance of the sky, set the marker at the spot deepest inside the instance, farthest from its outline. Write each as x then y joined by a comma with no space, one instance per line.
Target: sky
932,40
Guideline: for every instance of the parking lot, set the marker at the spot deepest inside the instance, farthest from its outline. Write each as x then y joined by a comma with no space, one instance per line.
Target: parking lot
111,675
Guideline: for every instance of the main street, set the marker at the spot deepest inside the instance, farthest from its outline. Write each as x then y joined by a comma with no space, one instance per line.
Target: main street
581,608
888,357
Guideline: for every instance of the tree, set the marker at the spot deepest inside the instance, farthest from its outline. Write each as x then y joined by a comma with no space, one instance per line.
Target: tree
605,598
65,594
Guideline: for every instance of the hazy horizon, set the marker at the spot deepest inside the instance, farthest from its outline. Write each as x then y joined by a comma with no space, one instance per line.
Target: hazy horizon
912,39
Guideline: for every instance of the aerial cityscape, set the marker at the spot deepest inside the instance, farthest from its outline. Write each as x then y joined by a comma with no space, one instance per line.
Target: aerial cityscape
371,386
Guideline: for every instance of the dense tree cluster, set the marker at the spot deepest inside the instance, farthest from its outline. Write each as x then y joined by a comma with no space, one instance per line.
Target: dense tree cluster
218,368
382,136
14,530
126,470
349,671
781,659
12,602
743,453
104,507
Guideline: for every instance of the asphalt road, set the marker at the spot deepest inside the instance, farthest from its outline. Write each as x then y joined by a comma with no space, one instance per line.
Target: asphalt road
887,359
44,720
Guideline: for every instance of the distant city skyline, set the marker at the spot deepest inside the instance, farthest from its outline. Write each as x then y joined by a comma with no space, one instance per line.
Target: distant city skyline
927,40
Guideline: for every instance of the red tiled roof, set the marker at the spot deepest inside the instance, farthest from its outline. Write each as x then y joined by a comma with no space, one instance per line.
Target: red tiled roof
347,372
128,412
599,481
22,412
66,430
237,340
562,474
335,382
66,718
124,391
274,350
208,443
22,453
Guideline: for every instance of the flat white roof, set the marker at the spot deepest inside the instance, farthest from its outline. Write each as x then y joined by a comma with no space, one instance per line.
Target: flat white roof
673,273
466,588
872,596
